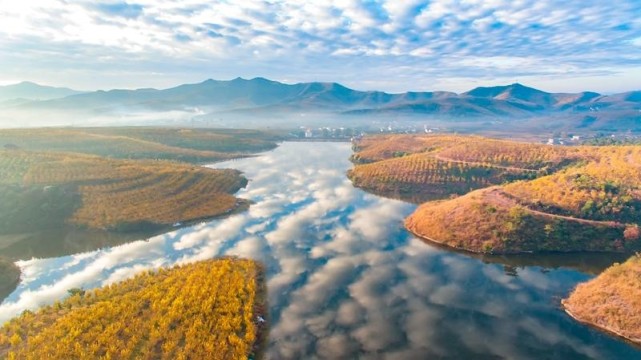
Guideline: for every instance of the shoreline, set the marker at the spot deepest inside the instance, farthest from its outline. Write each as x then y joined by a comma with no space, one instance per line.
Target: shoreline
242,206
9,286
633,341
469,251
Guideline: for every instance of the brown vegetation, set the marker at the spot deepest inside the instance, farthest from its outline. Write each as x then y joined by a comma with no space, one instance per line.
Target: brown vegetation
189,145
611,301
424,176
206,310
551,198
118,194
487,221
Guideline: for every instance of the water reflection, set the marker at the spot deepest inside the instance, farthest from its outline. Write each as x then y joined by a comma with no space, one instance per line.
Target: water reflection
344,279
64,241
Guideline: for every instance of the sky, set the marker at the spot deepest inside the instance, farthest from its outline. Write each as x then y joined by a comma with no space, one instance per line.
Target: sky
394,46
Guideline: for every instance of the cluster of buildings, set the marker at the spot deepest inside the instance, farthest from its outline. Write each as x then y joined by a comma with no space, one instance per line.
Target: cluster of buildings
411,129
347,133
325,133
569,140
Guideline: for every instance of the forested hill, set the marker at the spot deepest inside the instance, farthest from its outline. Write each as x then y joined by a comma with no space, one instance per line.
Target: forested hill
506,197
205,310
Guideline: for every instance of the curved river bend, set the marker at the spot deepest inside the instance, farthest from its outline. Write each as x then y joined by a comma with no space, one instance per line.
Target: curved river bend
345,280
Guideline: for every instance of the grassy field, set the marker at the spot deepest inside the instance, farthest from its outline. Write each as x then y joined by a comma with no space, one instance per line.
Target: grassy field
529,197
205,310
611,301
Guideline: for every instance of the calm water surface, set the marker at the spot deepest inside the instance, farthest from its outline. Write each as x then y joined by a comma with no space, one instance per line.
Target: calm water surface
346,281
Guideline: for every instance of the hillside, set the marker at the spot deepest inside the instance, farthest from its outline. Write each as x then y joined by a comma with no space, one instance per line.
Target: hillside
46,190
204,310
611,301
528,197
488,222
189,145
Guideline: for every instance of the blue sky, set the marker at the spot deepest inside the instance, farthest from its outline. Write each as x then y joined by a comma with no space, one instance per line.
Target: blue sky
397,45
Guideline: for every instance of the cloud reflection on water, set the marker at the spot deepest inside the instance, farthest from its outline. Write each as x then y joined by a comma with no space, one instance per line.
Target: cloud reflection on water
344,279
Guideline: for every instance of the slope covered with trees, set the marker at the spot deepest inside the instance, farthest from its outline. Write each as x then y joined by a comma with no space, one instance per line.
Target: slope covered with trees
44,190
65,190
205,310
532,197
487,221
611,301
189,145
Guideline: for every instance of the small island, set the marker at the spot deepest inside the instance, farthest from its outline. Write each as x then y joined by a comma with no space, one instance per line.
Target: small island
205,310
611,301
502,197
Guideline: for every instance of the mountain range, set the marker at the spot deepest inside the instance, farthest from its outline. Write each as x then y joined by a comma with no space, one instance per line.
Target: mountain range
28,91
259,97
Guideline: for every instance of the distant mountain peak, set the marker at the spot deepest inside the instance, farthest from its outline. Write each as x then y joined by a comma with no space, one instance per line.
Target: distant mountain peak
30,83
516,93
260,95
33,91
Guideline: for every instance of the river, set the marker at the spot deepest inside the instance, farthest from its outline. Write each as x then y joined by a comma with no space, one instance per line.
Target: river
345,280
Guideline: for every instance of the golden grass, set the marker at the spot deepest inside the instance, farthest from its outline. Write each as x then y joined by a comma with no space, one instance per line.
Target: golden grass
205,310
611,301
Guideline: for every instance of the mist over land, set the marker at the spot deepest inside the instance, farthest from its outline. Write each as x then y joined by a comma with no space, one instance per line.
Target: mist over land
261,103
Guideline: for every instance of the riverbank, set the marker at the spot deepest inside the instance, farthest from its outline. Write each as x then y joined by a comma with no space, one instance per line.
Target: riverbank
611,301
9,277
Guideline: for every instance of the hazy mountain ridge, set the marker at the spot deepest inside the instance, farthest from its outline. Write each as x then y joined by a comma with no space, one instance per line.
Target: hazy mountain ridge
26,90
258,97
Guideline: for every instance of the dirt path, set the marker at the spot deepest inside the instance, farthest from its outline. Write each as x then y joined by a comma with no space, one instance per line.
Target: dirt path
479,164
499,197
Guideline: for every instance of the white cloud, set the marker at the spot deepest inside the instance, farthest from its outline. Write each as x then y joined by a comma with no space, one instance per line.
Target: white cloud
343,40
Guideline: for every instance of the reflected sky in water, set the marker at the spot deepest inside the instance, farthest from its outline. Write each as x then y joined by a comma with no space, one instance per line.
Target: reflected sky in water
345,280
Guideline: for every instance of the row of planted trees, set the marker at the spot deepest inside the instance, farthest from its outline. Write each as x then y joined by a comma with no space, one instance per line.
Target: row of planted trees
203,310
